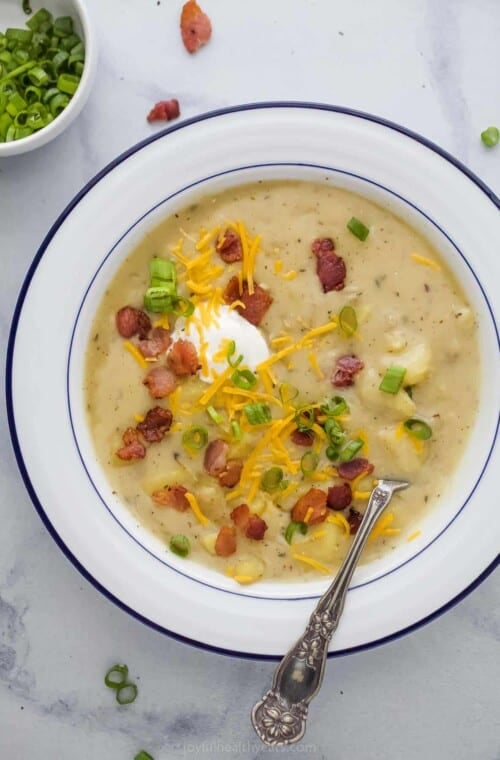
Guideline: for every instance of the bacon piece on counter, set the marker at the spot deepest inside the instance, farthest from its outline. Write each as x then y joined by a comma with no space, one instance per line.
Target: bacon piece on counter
155,343
354,468
231,474
225,543
171,496
133,447
130,322
302,437
164,110
315,500
183,359
339,497
229,247
156,423
160,381
252,525
255,305
354,519
330,268
196,28
345,369
215,459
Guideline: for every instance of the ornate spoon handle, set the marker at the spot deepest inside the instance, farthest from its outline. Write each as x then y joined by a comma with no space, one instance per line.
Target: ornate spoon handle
280,717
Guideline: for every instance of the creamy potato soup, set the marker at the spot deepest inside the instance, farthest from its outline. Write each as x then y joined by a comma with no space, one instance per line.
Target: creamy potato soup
260,359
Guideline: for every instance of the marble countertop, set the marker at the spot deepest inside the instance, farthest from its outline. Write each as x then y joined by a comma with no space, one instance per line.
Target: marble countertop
430,65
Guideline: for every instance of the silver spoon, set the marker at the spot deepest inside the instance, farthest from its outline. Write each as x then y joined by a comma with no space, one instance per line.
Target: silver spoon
279,718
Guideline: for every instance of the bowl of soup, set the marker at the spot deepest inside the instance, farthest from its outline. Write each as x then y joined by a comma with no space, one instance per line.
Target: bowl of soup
265,310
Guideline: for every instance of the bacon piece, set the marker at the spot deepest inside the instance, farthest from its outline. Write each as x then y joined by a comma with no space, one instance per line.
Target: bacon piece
196,28
354,468
156,343
339,497
256,304
302,437
215,460
345,369
314,499
156,423
164,110
171,496
354,519
160,381
130,322
330,268
133,448
225,543
183,359
231,475
252,525
229,247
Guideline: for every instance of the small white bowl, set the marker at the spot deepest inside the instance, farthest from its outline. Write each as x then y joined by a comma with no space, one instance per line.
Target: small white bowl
12,15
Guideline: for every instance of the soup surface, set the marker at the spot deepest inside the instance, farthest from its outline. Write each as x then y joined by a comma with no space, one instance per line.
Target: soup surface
328,346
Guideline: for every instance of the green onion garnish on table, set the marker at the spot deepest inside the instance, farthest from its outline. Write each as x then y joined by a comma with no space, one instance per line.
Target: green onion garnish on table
143,755
116,676
358,229
40,70
490,136
393,379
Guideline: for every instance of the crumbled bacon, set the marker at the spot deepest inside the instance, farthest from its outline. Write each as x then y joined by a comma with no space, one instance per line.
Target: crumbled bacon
215,459
130,322
330,268
164,110
314,500
183,359
302,437
160,382
230,475
345,369
156,423
196,28
229,247
339,497
133,447
155,343
354,519
171,496
225,543
354,468
255,305
252,525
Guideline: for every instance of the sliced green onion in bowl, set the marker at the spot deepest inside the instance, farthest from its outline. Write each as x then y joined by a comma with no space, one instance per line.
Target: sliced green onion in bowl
335,407
418,429
195,438
351,449
271,479
244,379
393,379
231,350
305,418
214,415
309,462
257,414
358,229
143,755
126,694
490,137
116,676
292,527
179,544
348,321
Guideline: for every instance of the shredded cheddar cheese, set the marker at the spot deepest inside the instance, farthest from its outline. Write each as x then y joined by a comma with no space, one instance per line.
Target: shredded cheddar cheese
291,275
193,503
216,385
338,518
308,514
314,563
134,351
138,417
278,266
313,361
243,579
414,535
425,261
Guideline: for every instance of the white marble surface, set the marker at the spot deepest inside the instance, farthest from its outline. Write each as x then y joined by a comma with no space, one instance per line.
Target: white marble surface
431,65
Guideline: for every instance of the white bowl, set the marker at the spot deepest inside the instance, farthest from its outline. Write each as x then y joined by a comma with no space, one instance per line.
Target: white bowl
460,538
12,15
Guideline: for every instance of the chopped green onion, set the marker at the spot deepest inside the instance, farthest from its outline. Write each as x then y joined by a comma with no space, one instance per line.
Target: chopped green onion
332,452
195,438
231,350
58,103
33,94
305,418
292,527
179,544
335,407
142,755
244,379
157,299
490,136
67,83
116,676
41,17
358,229
126,694
334,432
257,414
163,274
27,7
271,479
236,430
393,379
309,462
182,307
63,26
287,393
214,415
15,104
351,449
39,76
418,429
23,36
348,321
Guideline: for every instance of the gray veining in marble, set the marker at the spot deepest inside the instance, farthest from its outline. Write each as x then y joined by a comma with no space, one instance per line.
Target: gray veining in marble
431,66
